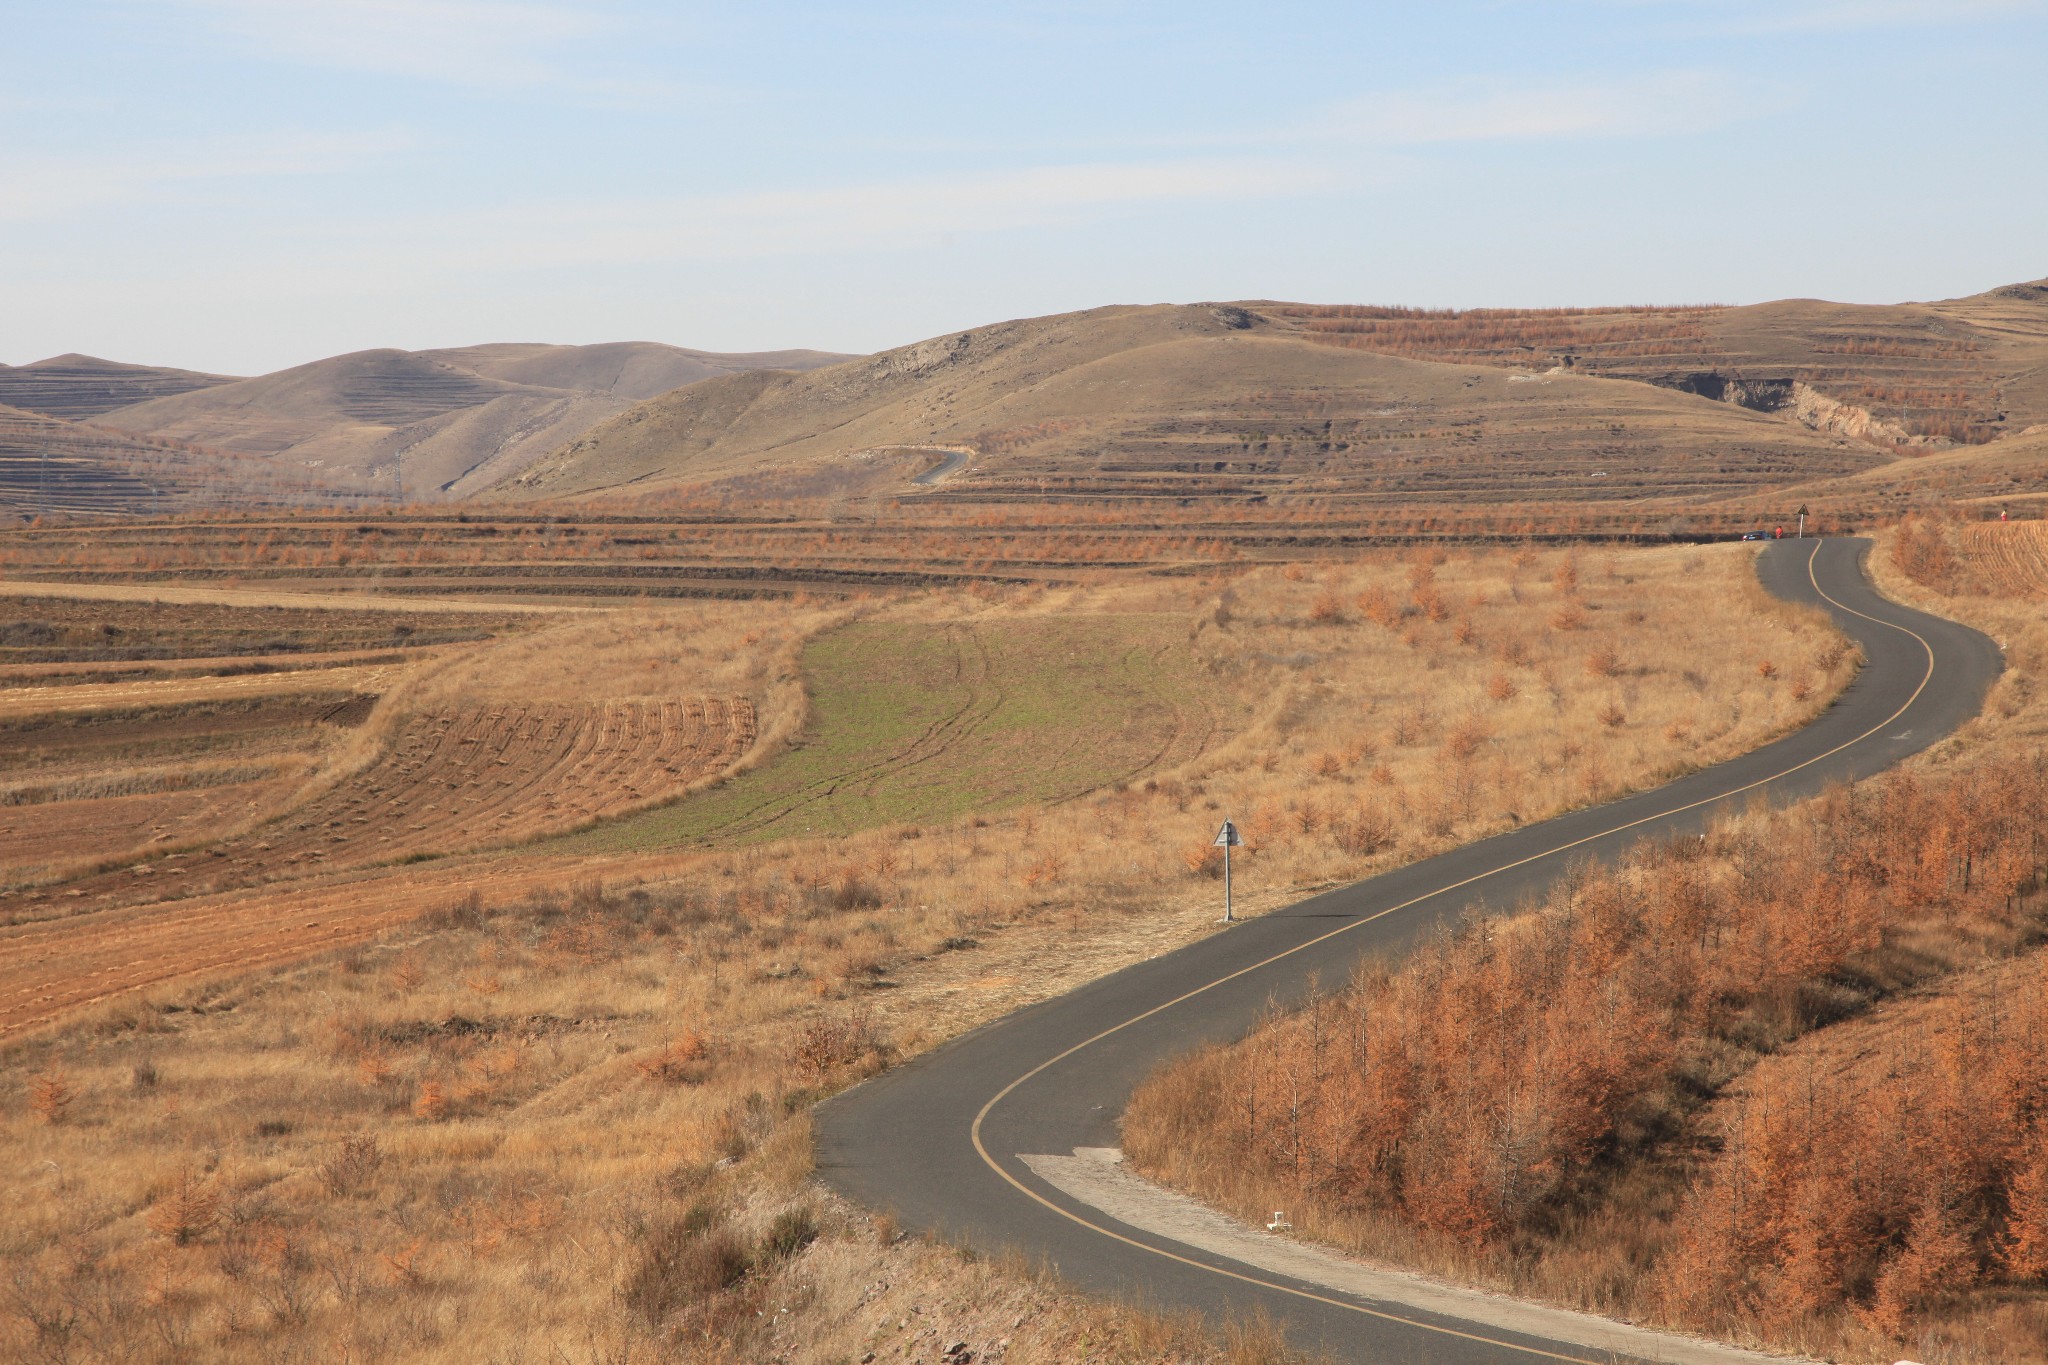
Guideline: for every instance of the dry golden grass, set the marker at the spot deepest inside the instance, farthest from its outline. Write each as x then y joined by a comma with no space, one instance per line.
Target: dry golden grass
475,1136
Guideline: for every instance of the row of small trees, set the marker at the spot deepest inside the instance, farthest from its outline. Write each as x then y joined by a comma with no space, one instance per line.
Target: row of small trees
1499,1080
1885,1186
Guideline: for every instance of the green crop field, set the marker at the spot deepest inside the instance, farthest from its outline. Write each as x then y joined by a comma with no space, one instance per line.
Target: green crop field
921,723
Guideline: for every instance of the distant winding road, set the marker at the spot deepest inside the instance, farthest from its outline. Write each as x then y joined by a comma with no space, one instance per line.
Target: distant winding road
940,1141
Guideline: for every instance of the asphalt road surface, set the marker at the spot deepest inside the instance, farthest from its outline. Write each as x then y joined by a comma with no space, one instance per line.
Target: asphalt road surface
937,1142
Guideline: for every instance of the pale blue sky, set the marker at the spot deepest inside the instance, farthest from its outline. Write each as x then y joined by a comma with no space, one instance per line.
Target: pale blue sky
241,185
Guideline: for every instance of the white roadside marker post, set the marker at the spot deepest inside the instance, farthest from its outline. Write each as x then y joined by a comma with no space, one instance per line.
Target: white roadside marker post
1227,838
1802,521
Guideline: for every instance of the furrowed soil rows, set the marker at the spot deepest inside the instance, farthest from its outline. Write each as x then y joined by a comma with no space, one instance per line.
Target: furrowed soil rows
451,782
57,833
2011,556
496,774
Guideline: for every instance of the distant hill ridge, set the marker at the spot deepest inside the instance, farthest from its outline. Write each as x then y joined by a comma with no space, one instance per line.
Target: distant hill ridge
378,423
75,387
429,424
1259,398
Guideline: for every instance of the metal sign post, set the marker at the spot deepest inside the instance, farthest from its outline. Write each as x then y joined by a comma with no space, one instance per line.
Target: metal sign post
1802,521
1227,838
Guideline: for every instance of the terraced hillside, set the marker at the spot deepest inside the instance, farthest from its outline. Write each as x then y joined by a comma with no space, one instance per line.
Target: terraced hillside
75,387
53,467
1172,402
1960,371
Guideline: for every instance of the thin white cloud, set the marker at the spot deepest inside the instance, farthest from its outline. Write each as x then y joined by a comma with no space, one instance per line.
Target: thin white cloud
518,44
1847,15
1485,111
1750,17
50,188
883,215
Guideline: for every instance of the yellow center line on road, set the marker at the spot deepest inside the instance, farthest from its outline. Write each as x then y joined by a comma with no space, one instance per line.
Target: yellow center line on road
994,1165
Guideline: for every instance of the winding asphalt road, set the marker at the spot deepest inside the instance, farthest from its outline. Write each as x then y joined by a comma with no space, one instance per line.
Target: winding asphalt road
938,1142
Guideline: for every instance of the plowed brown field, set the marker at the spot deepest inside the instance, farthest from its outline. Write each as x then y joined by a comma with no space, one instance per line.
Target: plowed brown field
61,832
493,774
2011,557
450,782
144,692
50,968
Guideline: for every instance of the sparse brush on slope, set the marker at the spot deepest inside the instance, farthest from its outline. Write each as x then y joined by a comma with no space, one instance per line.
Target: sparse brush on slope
1513,1079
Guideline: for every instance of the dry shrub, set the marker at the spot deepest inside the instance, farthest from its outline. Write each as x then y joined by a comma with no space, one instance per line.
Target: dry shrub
684,1060
1500,687
1379,607
1766,669
1603,662
1922,550
407,974
839,1046
375,1067
50,1096
685,1264
1327,609
1466,739
1044,871
1612,716
1570,616
1363,830
432,1104
1203,859
352,1166
187,1210
789,1232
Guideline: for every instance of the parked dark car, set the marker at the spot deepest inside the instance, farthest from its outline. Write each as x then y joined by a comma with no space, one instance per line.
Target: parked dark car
1756,535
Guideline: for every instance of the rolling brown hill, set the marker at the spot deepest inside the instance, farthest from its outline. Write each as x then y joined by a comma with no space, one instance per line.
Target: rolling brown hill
431,424
75,387
49,466
2010,473
1960,371
1200,399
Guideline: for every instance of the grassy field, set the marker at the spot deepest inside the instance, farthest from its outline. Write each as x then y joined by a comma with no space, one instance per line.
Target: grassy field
537,1101
912,723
